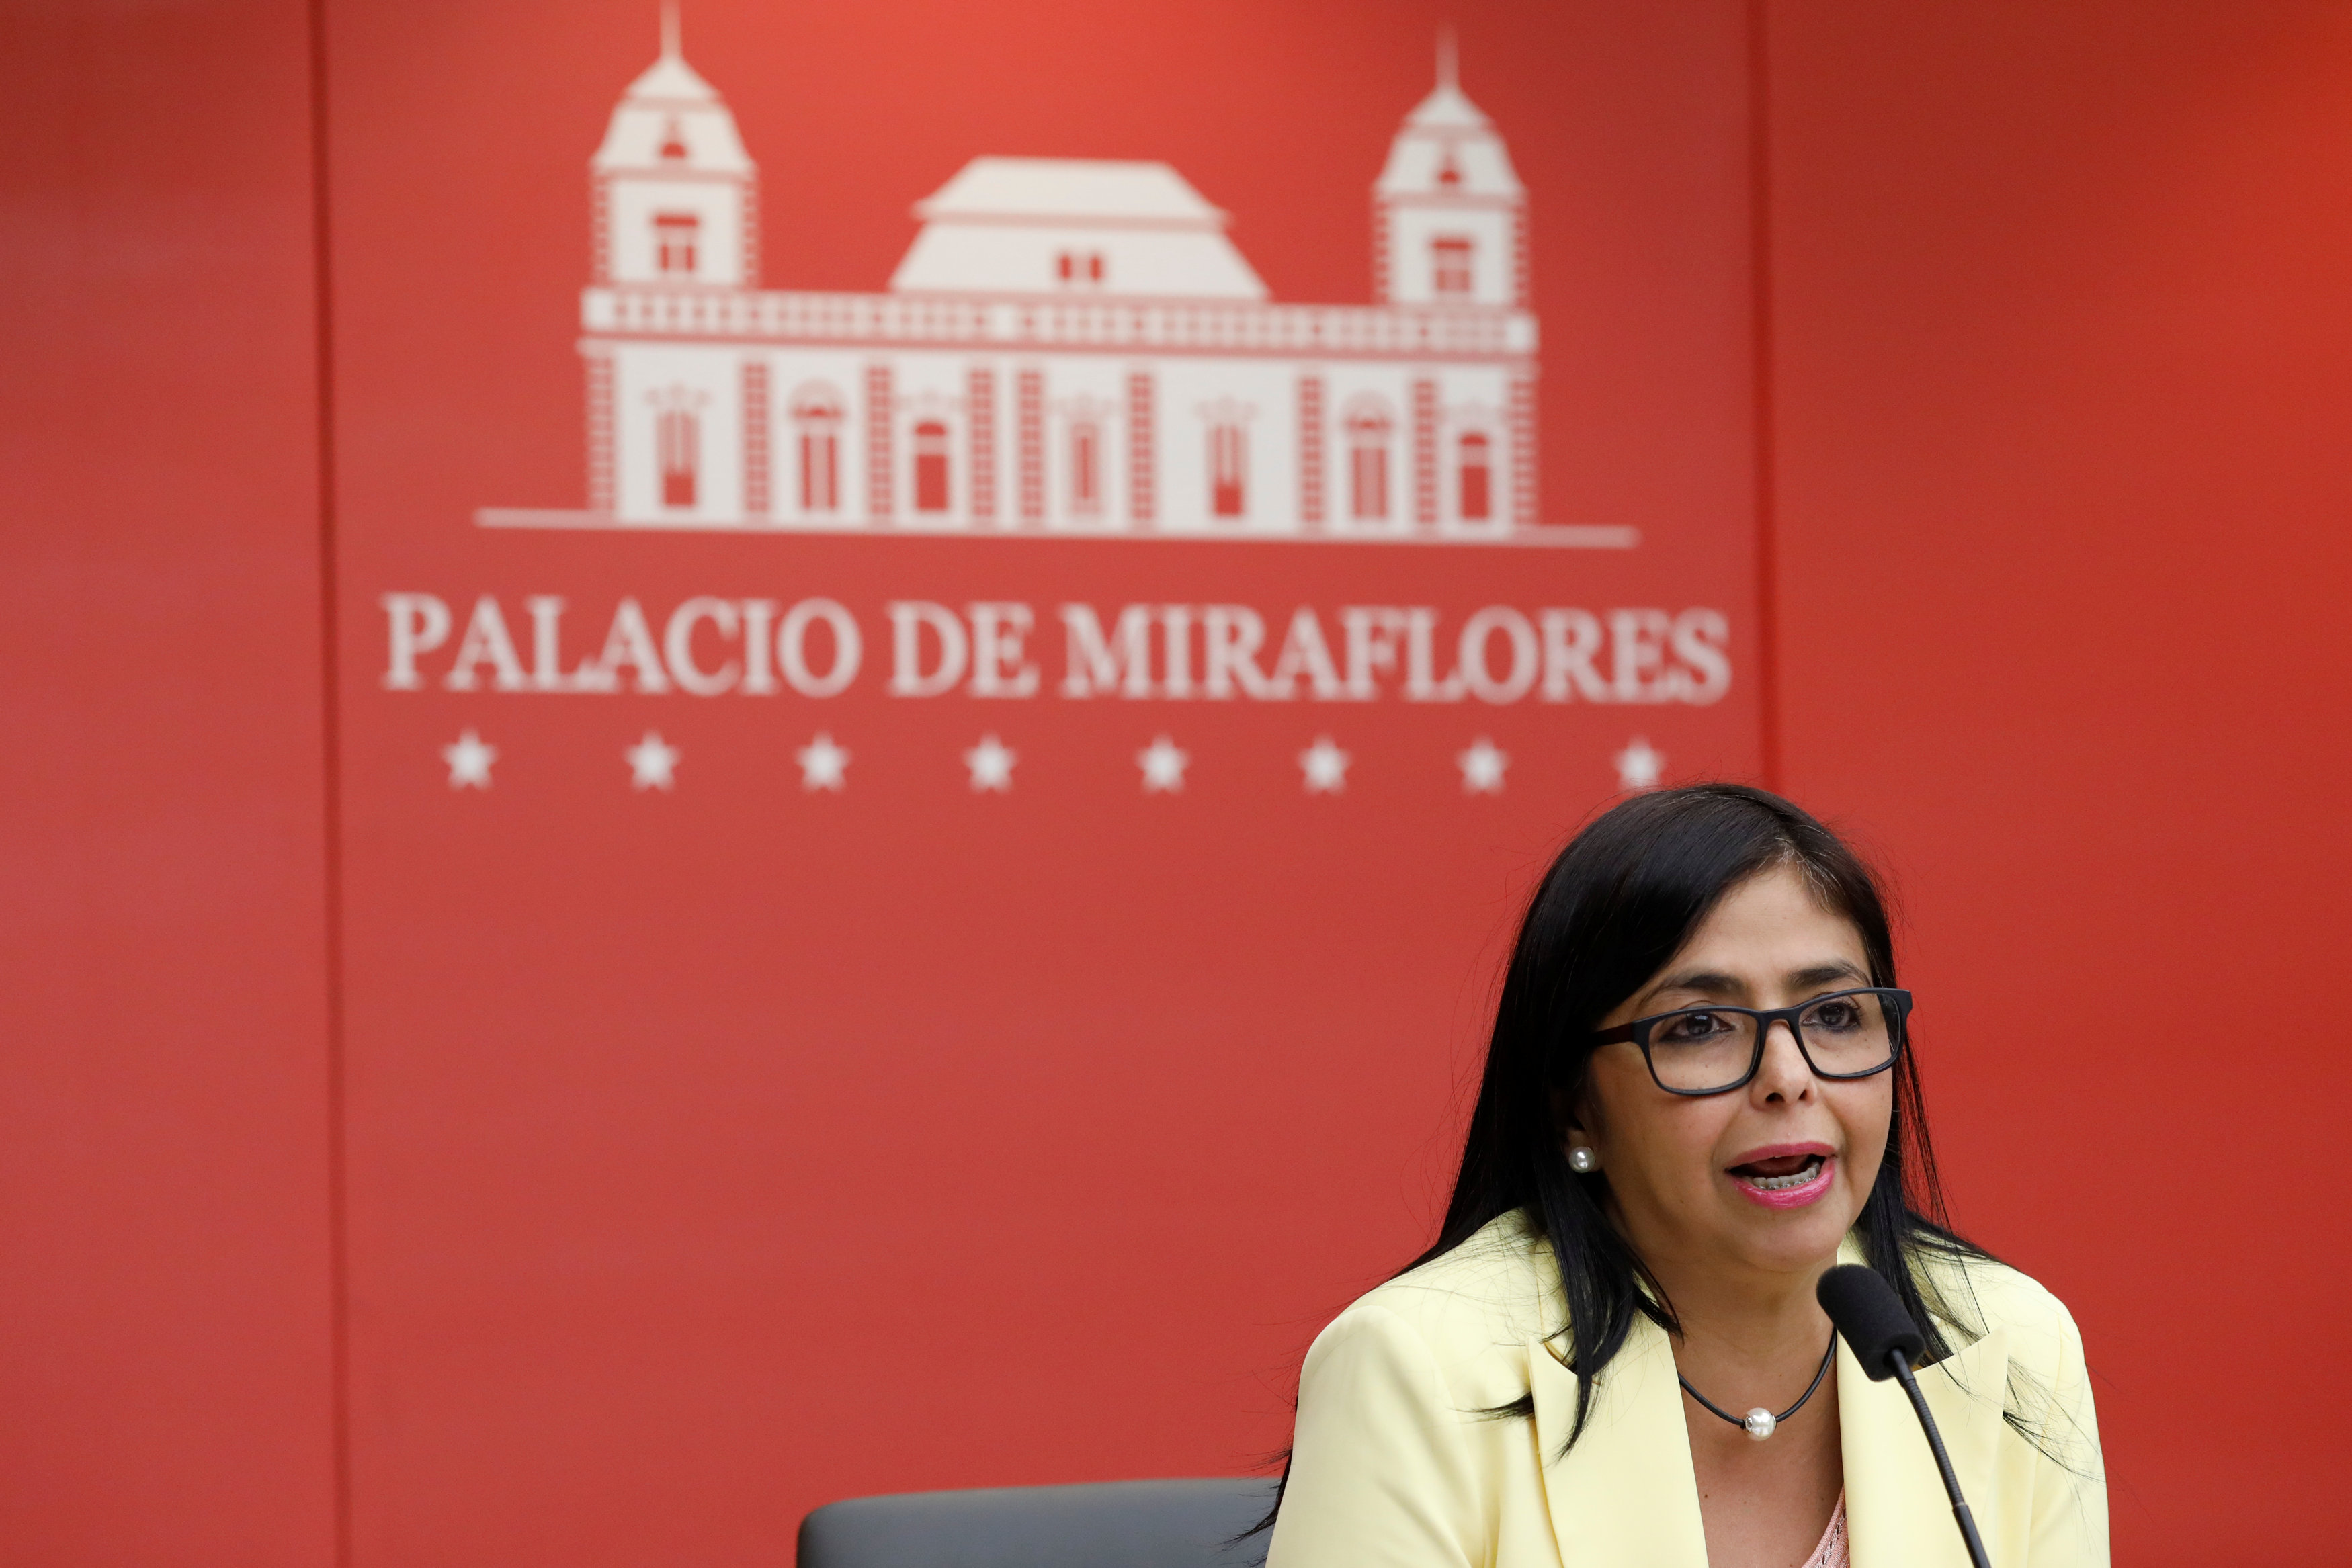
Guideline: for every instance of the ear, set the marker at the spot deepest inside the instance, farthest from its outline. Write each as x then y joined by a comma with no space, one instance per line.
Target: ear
1571,1114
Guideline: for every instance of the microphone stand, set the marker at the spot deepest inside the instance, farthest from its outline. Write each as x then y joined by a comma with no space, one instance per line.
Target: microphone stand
1967,1523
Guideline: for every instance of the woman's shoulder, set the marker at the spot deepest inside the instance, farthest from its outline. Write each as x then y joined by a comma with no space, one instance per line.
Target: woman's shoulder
1494,1292
1973,1295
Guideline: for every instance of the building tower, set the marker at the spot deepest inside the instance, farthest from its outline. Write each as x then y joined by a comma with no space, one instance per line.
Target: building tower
674,197
1449,215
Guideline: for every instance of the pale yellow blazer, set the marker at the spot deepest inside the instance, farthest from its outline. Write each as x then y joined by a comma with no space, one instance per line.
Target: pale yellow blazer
1394,1465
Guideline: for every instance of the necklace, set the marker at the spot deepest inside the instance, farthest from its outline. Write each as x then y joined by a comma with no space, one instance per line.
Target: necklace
1761,1422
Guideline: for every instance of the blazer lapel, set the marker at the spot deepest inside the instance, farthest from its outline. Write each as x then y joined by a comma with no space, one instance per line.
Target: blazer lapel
1897,1513
1625,1496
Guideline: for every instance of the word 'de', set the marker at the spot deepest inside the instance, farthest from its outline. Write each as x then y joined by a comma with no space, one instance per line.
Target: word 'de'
709,646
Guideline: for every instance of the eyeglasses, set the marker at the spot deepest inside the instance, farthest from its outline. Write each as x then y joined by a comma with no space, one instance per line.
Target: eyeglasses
1713,1050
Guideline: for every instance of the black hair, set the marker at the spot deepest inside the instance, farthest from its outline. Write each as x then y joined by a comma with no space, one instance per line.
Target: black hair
1614,909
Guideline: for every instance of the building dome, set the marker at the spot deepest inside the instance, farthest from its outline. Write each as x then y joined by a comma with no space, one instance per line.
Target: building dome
671,120
1447,147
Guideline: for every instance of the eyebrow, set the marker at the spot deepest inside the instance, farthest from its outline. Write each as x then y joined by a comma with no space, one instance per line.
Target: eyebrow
1710,982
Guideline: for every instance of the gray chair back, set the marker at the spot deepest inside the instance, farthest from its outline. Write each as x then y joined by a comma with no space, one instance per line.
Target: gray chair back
1111,1525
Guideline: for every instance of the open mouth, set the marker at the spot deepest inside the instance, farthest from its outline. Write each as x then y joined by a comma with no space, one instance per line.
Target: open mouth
1783,1173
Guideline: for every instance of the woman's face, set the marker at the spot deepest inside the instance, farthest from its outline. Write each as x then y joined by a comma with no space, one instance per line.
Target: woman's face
1707,1182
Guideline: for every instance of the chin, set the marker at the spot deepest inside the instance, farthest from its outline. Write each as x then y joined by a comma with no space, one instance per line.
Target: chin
1798,1236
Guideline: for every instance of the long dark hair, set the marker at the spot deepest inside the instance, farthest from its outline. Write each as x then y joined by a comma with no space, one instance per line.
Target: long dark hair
1617,904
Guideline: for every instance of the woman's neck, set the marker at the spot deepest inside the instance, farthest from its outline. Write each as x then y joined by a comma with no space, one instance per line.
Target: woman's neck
1729,1308
1759,1321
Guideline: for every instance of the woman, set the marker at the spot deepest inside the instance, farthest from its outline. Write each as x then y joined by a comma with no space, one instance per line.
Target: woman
1698,1097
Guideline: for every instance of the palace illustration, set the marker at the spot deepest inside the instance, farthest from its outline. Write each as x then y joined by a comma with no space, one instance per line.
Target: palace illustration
1070,346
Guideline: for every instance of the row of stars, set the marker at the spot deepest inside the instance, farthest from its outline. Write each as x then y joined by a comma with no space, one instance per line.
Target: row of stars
824,765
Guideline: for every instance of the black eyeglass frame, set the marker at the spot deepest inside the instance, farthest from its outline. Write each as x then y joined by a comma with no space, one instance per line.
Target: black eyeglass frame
1898,1005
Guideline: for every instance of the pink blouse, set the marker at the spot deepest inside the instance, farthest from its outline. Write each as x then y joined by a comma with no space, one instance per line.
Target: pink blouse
1831,1552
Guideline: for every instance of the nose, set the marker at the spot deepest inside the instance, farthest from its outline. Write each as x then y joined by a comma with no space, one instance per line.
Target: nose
1785,1075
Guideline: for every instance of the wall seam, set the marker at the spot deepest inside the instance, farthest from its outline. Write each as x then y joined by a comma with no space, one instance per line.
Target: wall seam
331,768
1761,303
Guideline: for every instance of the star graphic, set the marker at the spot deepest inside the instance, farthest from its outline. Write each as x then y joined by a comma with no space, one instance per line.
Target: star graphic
1326,766
821,763
469,761
1163,766
1482,768
653,763
992,765
1639,766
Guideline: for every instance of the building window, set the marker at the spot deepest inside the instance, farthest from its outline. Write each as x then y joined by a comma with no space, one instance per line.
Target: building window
1086,467
1476,471
816,410
931,465
1228,466
1369,427
1078,265
1449,267
674,238
677,445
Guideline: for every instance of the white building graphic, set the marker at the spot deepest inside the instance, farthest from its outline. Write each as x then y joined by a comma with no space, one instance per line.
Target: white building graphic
1071,346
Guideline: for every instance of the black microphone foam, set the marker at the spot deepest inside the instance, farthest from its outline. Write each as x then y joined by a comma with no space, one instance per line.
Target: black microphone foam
1870,1318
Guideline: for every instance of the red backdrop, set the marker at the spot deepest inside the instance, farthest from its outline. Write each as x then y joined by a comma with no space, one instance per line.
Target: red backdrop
165,1199
563,1172
2063,361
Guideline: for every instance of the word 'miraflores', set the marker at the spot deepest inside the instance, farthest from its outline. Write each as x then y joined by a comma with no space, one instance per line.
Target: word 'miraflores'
709,646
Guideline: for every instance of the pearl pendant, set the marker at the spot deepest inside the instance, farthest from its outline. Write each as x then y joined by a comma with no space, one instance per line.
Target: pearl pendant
1760,1424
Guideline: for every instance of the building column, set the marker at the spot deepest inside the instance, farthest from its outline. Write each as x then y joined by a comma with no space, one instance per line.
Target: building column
600,229
1518,258
979,423
756,439
746,227
1142,457
1523,449
1424,452
881,459
1029,397
601,487
1310,451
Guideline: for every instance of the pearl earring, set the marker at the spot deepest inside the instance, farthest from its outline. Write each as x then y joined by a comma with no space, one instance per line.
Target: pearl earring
1583,1162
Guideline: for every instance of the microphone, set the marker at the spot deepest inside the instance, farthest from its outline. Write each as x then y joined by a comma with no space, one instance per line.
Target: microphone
1871,1319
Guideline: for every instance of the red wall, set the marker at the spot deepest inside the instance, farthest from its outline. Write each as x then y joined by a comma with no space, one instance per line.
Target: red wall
2056,398
165,1382
2063,353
